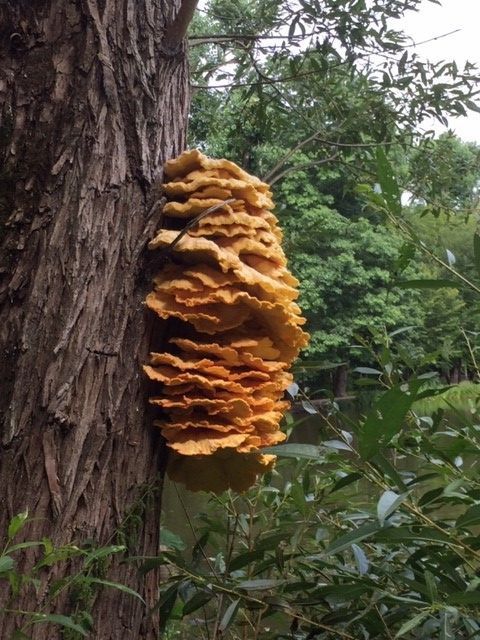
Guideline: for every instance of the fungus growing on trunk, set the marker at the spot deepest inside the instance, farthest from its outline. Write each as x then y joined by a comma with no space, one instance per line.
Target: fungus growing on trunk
237,326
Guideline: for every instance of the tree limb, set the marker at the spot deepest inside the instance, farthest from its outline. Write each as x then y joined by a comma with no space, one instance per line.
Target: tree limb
221,38
304,165
176,31
288,155
263,80
196,220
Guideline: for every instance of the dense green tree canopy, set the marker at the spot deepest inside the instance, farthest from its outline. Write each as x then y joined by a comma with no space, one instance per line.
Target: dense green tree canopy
445,175
306,111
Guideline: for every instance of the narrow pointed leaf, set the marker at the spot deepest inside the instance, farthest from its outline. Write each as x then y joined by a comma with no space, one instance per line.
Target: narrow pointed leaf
388,503
63,621
355,536
386,418
308,451
17,523
114,585
361,559
413,623
103,552
229,616
470,517
476,251
259,585
197,601
388,183
6,564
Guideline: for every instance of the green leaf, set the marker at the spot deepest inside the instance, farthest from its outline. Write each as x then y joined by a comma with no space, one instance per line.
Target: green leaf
433,393
413,623
388,183
6,564
451,259
389,501
397,332
259,585
473,106
269,542
307,451
298,497
405,256
386,418
430,496
446,632
170,539
153,562
316,365
113,585
431,586
245,558
24,545
389,470
344,592
229,616
346,480
470,517
198,549
57,555
166,603
102,553
427,284
309,408
366,382
17,523
63,621
476,251
58,585
337,445
197,601
406,534
466,598
361,559
367,371
355,536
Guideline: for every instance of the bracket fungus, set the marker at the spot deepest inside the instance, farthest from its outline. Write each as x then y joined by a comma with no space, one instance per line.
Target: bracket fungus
236,329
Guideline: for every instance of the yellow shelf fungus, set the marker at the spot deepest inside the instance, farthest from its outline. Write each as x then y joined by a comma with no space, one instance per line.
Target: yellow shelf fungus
237,326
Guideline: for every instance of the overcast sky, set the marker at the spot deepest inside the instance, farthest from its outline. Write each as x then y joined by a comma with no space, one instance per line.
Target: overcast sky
433,20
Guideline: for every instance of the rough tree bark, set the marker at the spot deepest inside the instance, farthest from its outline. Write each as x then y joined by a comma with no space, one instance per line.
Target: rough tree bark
91,105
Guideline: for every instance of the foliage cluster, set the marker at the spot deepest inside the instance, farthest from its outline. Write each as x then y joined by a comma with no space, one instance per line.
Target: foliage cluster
87,576
359,536
344,108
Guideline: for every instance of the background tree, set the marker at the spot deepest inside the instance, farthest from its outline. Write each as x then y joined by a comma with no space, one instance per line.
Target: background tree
342,109
445,174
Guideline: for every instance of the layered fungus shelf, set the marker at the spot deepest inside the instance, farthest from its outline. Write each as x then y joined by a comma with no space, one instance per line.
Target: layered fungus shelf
237,326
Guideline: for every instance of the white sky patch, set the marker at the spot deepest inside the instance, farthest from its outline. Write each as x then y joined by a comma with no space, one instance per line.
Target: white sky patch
434,20
429,22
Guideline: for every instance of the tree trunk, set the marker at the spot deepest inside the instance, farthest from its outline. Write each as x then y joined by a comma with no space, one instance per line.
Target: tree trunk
340,381
90,106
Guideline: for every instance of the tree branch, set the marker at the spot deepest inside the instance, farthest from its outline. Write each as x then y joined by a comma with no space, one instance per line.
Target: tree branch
176,31
263,80
304,165
221,38
196,220
282,161
225,38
